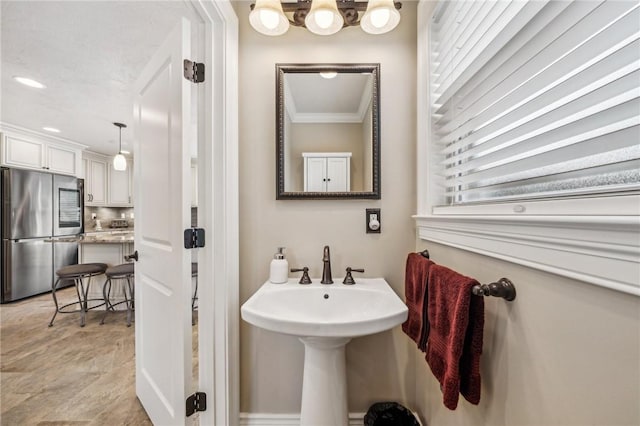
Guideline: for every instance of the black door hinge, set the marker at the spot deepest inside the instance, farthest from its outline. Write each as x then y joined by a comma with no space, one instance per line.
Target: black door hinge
193,71
196,402
193,238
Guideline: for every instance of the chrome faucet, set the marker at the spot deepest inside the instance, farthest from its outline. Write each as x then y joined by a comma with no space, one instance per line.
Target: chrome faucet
326,269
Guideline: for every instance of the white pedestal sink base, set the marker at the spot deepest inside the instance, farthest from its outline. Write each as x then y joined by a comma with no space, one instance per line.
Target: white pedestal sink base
325,318
324,385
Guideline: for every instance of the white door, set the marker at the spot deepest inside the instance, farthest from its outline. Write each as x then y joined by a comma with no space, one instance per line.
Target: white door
163,274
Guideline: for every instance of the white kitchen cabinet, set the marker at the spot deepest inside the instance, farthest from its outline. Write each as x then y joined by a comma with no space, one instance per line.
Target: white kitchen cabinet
95,180
327,171
105,186
32,151
120,188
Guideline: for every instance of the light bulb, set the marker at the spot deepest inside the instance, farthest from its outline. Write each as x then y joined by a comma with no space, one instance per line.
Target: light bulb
379,17
269,18
119,162
324,18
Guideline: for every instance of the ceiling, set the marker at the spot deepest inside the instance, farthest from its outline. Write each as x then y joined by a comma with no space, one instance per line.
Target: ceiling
345,98
88,54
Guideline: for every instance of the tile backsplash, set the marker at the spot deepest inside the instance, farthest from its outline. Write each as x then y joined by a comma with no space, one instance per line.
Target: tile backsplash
106,215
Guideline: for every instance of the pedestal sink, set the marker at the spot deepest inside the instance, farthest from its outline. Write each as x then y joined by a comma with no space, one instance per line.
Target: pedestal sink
325,318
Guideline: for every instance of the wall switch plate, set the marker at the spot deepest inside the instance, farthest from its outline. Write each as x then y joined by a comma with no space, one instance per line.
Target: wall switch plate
373,221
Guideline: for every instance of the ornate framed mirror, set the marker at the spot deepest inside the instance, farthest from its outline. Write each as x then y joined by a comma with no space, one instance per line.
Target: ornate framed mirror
327,131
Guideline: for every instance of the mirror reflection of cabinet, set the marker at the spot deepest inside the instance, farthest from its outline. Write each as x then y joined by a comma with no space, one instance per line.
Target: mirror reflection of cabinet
327,171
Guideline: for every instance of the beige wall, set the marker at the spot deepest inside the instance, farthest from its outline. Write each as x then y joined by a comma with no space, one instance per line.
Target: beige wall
380,366
563,353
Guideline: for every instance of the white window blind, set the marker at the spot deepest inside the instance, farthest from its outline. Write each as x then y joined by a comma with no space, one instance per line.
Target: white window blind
535,99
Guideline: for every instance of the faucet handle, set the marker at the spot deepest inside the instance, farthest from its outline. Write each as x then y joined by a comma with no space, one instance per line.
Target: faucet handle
305,275
348,279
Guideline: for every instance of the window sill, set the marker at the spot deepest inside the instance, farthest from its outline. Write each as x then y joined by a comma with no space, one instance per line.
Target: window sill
601,250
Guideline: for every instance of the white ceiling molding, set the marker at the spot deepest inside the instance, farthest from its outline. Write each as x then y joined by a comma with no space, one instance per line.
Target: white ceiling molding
337,117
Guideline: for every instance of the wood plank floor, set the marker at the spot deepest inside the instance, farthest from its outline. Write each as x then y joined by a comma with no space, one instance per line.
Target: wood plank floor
65,374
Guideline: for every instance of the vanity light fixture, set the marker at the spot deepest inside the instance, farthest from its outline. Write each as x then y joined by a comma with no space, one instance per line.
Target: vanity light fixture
119,162
51,129
324,17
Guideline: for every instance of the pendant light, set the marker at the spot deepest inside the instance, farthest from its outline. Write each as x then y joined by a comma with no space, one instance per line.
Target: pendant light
324,17
268,18
381,17
119,162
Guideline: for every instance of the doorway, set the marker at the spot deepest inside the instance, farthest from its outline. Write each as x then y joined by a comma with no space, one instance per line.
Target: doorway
216,154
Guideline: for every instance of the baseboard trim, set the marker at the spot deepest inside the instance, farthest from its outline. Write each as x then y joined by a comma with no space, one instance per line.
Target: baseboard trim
264,419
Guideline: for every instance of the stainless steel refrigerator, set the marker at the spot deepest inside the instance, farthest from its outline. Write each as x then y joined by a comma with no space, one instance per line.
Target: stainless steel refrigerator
41,219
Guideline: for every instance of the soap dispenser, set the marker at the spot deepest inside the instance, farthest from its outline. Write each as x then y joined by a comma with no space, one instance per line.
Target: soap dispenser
279,272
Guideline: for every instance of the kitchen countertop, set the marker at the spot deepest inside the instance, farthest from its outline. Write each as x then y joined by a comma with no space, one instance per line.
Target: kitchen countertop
115,237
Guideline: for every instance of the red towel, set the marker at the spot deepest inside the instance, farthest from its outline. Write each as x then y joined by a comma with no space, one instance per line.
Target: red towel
415,293
456,319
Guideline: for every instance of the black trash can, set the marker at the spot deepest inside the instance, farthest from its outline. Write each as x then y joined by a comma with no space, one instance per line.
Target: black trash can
389,414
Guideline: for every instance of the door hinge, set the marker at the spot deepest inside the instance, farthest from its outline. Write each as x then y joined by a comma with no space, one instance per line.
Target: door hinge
193,238
193,71
196,402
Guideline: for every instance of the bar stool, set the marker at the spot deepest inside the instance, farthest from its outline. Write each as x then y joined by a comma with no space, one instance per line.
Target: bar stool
119,272
77,273
194,274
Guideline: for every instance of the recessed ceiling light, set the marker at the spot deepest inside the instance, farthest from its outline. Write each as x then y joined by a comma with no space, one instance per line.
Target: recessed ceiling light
51,129
29,82
328,74
125,152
